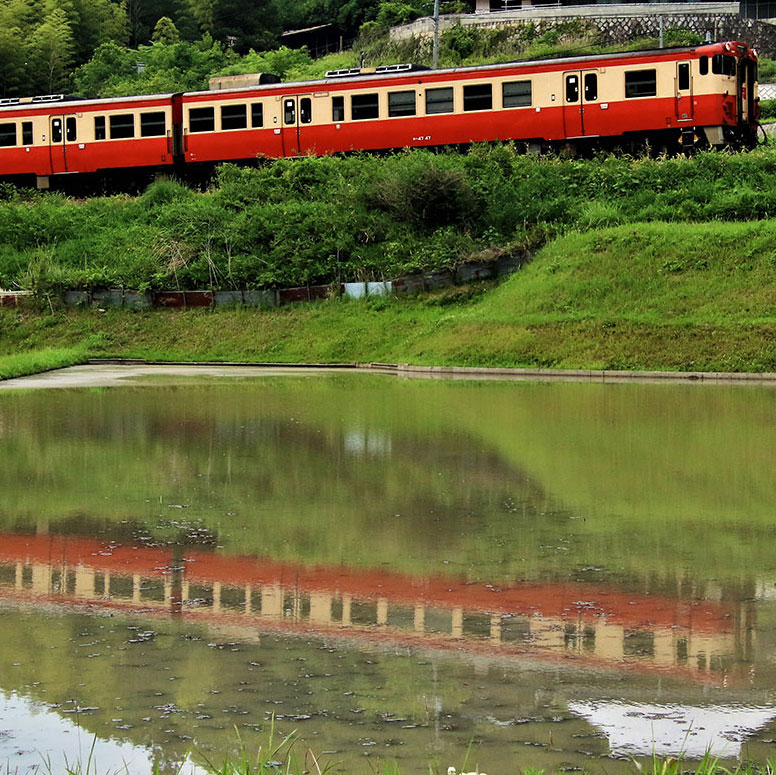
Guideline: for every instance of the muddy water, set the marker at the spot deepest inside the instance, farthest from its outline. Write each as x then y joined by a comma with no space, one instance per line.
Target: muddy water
543,575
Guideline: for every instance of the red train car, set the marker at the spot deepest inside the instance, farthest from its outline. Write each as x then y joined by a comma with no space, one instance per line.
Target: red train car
674,98
46,136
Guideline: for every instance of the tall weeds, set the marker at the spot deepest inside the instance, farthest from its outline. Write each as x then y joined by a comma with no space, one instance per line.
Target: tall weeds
311,220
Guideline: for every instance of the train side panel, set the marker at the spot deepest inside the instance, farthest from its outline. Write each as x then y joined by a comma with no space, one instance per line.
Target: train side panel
682,95
85,137
611,97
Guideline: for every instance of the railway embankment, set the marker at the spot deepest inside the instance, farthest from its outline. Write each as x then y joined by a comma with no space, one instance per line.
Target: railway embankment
640,264
679,297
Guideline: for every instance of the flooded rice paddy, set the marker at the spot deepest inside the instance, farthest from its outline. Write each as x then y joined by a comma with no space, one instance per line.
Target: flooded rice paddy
544,575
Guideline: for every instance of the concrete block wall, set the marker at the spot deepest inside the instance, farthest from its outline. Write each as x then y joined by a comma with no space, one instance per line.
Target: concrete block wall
113,298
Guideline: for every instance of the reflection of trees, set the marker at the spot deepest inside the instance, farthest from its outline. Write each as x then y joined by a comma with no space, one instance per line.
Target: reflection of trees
167,685
476,472
350,489
219,682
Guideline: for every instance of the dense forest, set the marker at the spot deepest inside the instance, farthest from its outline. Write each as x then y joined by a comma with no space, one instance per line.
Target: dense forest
44,44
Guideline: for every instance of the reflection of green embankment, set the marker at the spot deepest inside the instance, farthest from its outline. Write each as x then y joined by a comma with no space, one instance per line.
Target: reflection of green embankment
192,687
494,480
171,685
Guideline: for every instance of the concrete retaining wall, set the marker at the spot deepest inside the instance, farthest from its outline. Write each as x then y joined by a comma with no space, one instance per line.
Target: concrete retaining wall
617,22
410,284
12,298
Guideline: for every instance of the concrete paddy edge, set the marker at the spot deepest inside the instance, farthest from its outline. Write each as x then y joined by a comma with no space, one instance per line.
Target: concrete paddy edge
98,372
581,375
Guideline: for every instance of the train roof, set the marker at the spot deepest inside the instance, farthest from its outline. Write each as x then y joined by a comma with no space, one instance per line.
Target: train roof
391,72
413,71
37,105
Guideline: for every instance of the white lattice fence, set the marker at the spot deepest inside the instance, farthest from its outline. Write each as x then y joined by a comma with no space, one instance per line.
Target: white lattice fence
768,91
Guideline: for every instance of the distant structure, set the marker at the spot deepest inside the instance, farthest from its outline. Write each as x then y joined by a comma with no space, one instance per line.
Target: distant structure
322,39
753,9
748,20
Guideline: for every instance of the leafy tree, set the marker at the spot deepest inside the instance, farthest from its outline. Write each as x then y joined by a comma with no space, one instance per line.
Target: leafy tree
244,23
21,14
144,14
393,13
98,21
281,61
165,32
13,61
52,52
347,15
182,66
110,63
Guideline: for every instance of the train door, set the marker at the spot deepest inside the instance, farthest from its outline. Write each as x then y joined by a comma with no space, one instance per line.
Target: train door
580,88
63,132
683,92
747,75
297,113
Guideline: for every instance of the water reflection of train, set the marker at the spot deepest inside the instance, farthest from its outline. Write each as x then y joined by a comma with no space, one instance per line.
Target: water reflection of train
707,640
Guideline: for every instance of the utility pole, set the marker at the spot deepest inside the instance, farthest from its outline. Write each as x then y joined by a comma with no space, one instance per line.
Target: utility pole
436,34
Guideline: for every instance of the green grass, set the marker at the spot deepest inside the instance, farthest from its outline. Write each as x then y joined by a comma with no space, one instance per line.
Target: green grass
35,361
641,296
647,263
313,221
279,758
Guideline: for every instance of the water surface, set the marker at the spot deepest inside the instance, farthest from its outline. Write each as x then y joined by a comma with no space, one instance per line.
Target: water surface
547,575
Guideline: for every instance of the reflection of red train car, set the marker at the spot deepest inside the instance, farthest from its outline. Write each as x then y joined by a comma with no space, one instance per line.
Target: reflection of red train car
703,95
595,625
554,599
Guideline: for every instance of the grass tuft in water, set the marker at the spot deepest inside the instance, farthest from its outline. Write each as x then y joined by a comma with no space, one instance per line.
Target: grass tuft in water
275,757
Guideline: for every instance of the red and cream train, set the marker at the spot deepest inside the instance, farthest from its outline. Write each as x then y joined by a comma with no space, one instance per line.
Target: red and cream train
675,98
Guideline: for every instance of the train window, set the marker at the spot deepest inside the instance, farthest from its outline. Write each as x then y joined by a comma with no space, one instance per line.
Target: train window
289,111
572,88
202,120
478,96
70,129
703,65
305,110
439,101
99,128
234,117
401,103
56,130
683,76
27,133
641,83
591,87
364,106
7,135
257,114
516,94
122,125
337,108
723,65
153,124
